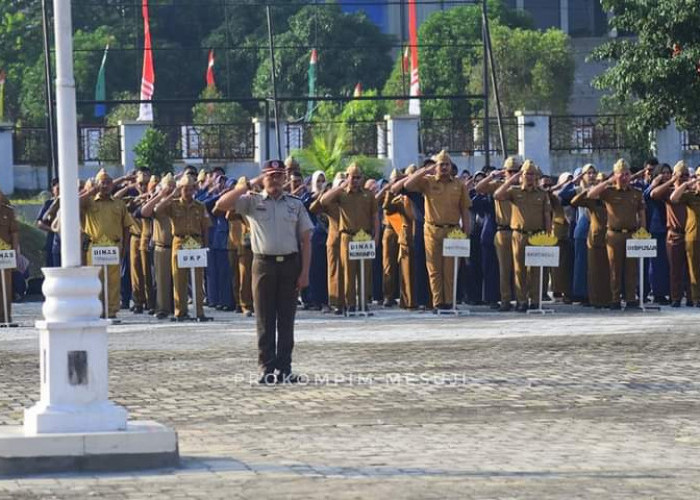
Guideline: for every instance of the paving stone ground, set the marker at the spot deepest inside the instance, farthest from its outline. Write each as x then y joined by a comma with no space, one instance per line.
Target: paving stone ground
579,404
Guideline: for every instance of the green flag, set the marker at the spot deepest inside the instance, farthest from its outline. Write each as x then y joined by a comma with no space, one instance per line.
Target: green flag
100,92
2,95
310,105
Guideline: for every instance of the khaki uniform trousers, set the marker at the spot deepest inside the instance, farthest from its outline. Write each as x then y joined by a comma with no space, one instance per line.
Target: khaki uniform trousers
504,252
336,278
615,243
407,299
526,278
7,298
181,278
351,269
162,262
245,278
114,285
440,269
136,271
148,287
390,262
692,250
598,276
233,263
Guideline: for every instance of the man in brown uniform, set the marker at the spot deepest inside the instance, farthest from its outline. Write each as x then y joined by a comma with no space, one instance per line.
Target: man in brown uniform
687,194
9,238
281,240
446,203
531,213
239,235
400,204
106,220
390,244
676,216
189,222
336,281
503,239
625,208
597,269
357,211
162,238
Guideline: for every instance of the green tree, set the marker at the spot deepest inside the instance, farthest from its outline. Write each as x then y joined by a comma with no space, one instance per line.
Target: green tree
656,74
341,63
153,151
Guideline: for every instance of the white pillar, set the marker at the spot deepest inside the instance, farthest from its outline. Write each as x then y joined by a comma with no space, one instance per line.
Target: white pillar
564,15
261,152
131,133
7,174
402,140
668,144
533,138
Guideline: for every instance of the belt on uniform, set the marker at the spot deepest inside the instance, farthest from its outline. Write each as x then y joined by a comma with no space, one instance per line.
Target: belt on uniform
526,233
276,258
351,233
503,228
623,231
162,246
677,231
441,225
186,235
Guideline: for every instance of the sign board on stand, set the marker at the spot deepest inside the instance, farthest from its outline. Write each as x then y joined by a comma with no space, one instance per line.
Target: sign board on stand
362,250
541,256
455,248
192,258
641,249
8,260
105,256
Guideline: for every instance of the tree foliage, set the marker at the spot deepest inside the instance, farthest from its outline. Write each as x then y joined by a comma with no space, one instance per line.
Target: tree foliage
655,74
154,152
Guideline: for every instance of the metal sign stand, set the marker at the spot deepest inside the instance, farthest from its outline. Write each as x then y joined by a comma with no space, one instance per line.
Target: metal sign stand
7,322
193,282
363,298
454,311
642,307
105,290
539,310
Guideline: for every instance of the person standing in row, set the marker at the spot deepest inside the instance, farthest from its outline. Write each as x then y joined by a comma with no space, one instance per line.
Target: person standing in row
531,213
503,239
446,204
281,240
687,195
162,239
106,221
659,273
625,209
357,210
190,224
390,242
9,238
676,215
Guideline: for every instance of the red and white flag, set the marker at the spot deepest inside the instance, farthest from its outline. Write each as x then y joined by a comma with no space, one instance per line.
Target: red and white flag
210,70
406,61
358,90
148,78
413,104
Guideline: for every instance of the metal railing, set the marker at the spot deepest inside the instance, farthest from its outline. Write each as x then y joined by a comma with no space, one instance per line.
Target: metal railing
30,146
96,144
211,142
466,137
360,137
586,133
690,140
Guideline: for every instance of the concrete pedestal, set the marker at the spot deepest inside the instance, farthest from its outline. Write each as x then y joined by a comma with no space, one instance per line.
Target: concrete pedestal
74,426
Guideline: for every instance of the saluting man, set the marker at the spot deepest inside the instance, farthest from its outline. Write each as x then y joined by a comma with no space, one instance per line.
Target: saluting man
446,202
281,242
189,221
625,208
106,219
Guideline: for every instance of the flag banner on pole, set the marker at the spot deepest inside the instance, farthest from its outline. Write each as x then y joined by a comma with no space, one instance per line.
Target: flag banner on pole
413,104
3,76
148,78
312,84
358,90
210,70
406,61
100,89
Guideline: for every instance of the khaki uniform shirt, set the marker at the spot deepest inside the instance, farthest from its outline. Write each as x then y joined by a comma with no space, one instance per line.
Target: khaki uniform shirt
529,207
560,224
622,206
186,219
146,232
356,210
276,226
402,205
162,231
8,223
106,217
445,201
692,202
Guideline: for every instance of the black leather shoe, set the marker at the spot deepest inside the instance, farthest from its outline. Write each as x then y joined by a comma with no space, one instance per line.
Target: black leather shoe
534,306
632,303
161,315
662,301
203,319
227,308
389,303
676,303
180,319
521,308
505,307
689,303
615,306
267,378
138,310
337,311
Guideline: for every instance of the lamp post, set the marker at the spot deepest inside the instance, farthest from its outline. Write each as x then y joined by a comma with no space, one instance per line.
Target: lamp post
74,426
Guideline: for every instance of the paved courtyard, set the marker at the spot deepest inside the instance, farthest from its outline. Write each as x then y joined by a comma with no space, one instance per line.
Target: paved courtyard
579,404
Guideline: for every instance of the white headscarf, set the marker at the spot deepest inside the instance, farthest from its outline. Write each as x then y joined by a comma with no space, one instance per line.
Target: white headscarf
314,181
